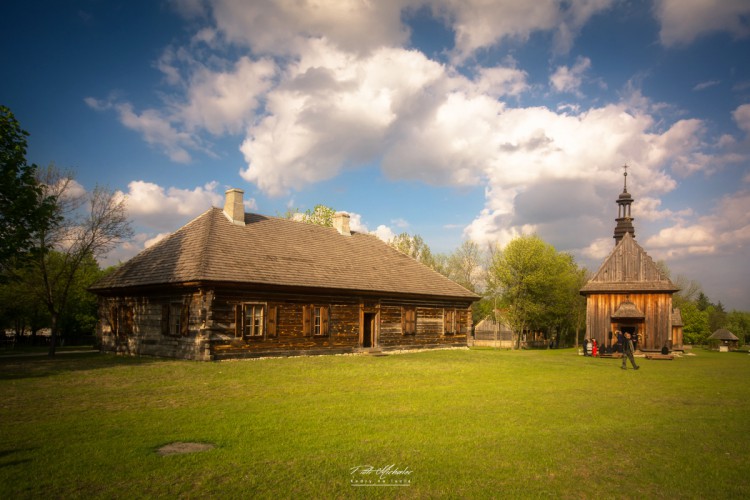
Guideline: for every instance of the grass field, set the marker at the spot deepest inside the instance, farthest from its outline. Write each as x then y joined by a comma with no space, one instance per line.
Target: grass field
461,424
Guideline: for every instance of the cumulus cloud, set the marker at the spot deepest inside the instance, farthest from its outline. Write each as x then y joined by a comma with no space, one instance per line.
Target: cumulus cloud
682,21
566,79
726,228
741,116
160,208
478,24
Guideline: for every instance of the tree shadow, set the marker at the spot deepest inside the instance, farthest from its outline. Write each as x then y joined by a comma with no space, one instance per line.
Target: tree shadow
15,368
4,454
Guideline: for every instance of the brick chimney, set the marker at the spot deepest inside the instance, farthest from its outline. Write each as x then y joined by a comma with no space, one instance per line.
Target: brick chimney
341,223
234,208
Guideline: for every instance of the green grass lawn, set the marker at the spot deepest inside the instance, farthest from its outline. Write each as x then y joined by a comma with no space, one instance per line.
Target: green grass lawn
466,423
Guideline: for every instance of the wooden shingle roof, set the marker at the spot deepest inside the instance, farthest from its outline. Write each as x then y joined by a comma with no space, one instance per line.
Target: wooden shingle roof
278,252
629,269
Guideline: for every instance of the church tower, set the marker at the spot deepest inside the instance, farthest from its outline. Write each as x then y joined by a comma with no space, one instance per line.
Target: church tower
629,293
624,220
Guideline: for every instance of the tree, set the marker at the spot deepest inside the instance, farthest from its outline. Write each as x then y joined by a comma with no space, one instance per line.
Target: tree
415,247
738,322
88,226
696,329
24,209
320,215
520,274
464,266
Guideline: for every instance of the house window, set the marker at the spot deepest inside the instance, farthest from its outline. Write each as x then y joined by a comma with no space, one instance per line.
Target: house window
121,320
175,318
253,320
315,320
409,320
175,311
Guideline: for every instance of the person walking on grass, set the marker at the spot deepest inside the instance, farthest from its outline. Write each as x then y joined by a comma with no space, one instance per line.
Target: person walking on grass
627,352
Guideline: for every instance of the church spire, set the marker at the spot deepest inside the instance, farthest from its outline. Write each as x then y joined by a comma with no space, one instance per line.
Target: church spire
624,220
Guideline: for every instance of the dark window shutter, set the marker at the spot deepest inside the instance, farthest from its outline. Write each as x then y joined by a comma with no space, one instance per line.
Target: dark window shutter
238,320
272,312
165,319
324,320
131,319
185,317
404,321
306,321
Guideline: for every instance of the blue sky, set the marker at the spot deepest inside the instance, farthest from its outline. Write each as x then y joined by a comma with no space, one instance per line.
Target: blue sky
449,119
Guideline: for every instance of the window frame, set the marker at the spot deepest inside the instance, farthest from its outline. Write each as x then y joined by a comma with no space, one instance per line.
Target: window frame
316,320
257,324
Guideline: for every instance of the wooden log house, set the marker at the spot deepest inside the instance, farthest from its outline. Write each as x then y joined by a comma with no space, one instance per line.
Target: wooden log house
630,294
230,284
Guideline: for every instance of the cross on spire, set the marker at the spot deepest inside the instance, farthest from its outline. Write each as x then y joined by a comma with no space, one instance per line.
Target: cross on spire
625,175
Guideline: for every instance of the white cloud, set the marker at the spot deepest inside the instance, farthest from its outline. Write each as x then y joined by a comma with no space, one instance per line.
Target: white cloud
154,240
280,27
480,24
683,21
333,110
501,81
384,232
566,79
727,228
155,207
741,116
706,85
225,101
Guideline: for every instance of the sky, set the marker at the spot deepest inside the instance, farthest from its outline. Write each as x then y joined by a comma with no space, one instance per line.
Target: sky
448,119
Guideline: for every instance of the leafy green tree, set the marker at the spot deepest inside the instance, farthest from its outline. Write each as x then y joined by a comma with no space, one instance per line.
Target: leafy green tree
538,288
320,215
522,275
696,329
738,322
24,209
415,247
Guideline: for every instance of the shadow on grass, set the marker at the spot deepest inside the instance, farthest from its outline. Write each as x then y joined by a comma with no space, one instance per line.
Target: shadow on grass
13,368
4,454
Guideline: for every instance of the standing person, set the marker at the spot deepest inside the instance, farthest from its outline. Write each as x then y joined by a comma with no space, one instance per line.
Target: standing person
586,346
594,348
627,352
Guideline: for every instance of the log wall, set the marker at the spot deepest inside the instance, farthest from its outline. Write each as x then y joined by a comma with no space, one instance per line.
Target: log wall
135,325
656,327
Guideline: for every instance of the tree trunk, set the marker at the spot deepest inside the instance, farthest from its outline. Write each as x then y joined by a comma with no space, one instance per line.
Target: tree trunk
53,335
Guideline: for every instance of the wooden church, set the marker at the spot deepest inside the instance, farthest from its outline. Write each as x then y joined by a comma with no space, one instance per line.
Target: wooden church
630,294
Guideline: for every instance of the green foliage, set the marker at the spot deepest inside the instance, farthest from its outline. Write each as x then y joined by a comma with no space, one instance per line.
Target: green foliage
738,322
538,287
696,329
415,247
320,215
24,209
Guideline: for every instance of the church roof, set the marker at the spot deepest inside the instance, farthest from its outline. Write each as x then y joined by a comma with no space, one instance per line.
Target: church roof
272,251
629,269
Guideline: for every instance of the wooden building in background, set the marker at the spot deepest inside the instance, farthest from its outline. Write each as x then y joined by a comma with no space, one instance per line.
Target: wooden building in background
230,284
630,294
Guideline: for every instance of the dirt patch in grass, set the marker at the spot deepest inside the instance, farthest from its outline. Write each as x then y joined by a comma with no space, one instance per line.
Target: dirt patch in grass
179,448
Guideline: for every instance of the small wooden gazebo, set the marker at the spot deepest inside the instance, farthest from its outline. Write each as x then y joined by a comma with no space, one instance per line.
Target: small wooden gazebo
723,340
